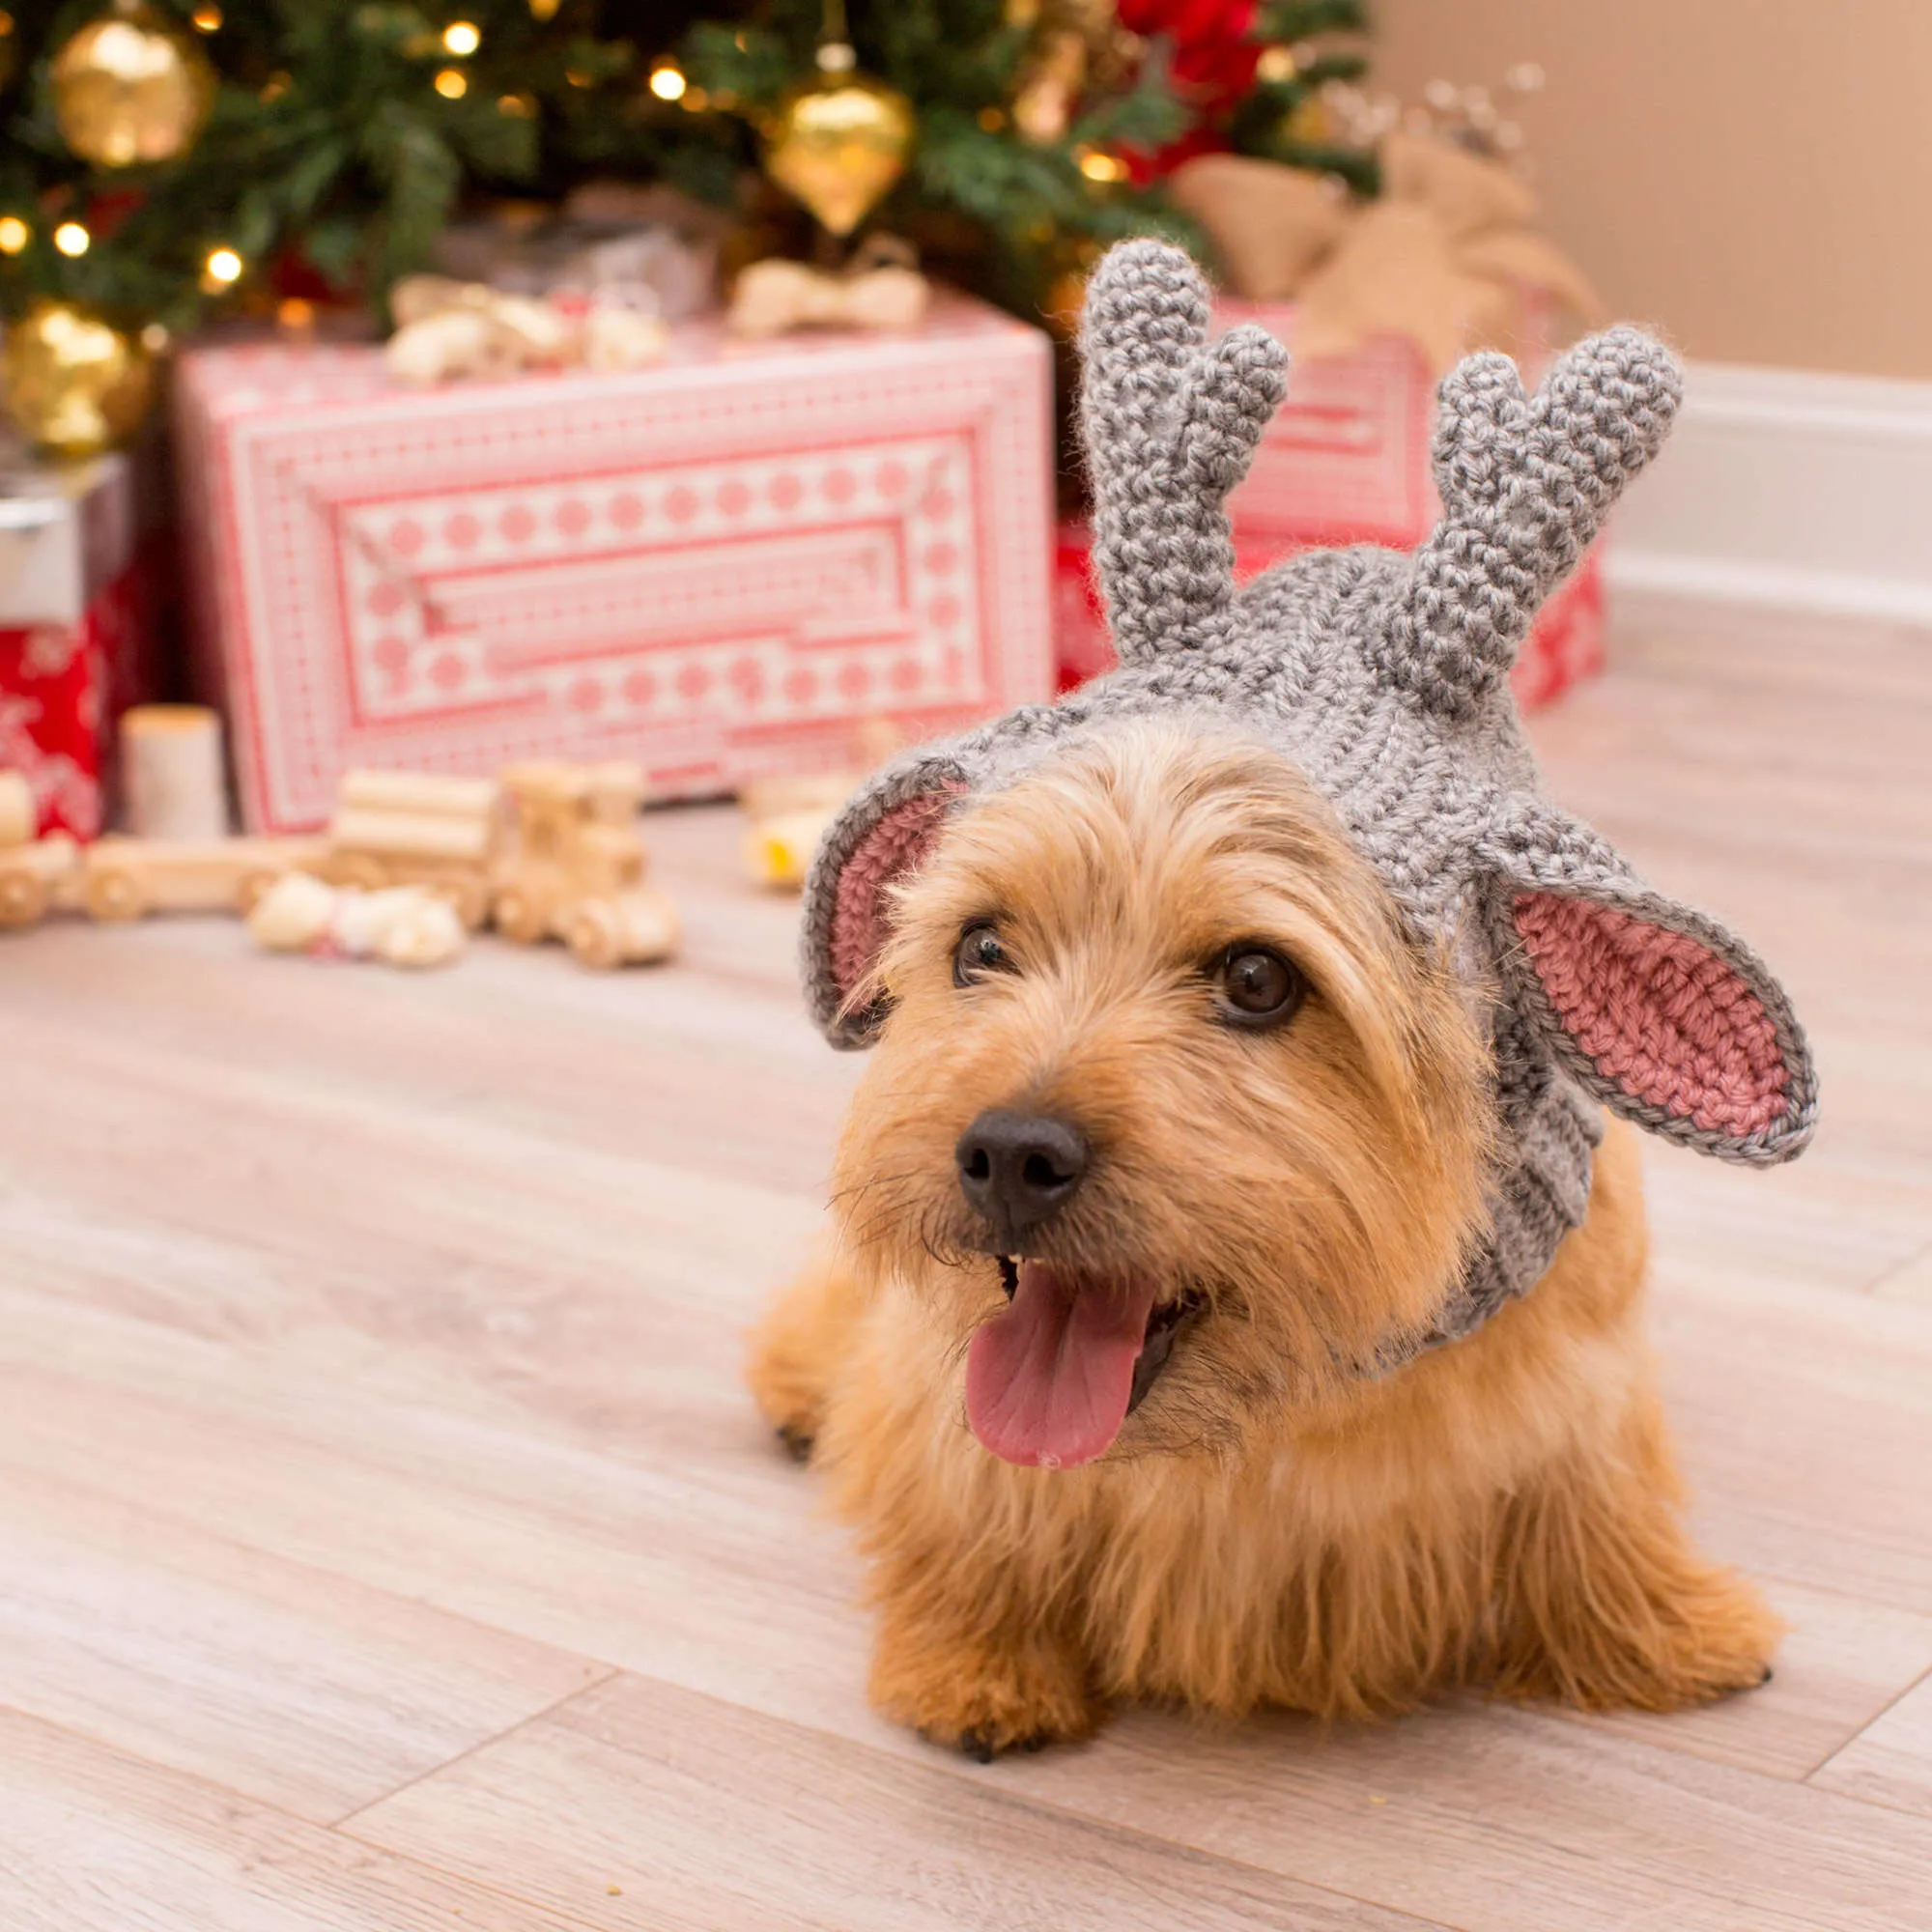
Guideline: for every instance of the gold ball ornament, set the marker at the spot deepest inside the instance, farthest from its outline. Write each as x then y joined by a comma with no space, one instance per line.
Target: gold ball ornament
72,383
132,89
1309,123
838,143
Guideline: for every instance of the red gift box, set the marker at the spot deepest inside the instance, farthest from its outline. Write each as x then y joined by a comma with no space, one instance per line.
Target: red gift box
78,607
1344,461
718,566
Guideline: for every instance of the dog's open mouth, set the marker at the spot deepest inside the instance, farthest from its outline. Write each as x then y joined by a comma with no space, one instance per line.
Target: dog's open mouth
1050,1381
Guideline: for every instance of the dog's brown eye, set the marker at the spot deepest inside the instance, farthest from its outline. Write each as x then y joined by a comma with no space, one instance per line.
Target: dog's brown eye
1259,987
979,953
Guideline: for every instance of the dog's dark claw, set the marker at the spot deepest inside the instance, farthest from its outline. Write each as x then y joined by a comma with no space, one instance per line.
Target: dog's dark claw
976,1744
797,1441
1039,1741
1769,1675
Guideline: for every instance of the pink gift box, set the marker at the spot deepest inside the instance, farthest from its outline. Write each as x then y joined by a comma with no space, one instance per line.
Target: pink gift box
720,566
1345,461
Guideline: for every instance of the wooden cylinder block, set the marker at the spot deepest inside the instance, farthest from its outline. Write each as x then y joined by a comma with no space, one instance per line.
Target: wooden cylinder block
400,834
171,762
429,793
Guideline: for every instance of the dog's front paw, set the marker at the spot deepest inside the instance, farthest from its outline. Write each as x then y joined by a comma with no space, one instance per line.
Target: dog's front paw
979,1696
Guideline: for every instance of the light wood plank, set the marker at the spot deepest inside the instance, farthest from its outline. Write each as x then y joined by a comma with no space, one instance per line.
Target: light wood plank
1890,1761
1807,1424
704,1814
683,1554
95,1841
279,1681
1910,1281
368,1359
1501,1821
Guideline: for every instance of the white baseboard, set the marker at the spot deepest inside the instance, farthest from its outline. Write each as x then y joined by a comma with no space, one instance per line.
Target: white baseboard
1786,488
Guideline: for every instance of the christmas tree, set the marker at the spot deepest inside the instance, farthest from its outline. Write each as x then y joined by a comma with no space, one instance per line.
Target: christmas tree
162,157
1042,128
159,156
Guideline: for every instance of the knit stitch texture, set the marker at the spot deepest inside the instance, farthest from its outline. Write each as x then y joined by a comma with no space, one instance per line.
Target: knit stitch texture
1383,677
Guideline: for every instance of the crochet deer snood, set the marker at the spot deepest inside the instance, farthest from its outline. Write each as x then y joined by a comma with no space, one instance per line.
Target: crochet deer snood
1383,677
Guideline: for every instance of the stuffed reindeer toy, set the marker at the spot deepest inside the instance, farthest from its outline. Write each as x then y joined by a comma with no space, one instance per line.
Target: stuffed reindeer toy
1235,1291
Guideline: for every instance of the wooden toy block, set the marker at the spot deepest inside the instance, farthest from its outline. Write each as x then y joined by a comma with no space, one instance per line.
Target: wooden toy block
418,829
573,866
127,878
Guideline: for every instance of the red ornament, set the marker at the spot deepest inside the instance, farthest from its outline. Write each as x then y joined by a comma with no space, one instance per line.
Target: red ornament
1215,54
1212,69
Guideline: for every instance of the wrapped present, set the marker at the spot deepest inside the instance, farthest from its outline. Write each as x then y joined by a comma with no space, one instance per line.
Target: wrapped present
79,580
1345,461
718,566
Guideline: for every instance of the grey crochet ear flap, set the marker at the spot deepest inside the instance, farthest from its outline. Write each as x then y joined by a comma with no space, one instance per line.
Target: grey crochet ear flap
1667,1017
882,837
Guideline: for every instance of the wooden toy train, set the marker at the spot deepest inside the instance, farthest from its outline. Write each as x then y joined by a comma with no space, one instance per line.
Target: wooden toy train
551,851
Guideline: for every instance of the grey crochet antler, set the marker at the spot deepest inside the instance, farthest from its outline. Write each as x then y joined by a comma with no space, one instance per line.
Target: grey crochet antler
1525,484
1383,677
1171,426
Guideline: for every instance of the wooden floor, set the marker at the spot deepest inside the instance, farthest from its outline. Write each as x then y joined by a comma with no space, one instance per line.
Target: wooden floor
385,1542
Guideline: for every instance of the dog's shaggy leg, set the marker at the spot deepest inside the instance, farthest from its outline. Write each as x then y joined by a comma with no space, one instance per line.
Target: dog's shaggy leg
799,1349
1018,1688
1604,1605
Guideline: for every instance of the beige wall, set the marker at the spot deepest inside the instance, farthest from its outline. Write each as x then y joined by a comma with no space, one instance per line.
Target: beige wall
1752,176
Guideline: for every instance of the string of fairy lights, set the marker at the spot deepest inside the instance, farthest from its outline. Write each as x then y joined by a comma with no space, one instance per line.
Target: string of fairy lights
129,92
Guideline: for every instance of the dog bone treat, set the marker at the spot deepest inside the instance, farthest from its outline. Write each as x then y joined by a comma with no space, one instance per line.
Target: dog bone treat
401,926
1381,678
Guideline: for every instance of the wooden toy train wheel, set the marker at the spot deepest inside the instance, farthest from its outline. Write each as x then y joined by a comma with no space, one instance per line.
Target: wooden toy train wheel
357,869
595,936
471,899
113,895
23,898
519,916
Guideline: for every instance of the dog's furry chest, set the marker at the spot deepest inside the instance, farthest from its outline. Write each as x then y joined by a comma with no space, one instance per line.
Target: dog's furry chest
1252,1574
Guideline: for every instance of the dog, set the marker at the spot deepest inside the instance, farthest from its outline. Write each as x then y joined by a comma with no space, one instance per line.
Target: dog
1174,1338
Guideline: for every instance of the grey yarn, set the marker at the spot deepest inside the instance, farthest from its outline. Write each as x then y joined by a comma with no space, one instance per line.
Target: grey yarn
1383,677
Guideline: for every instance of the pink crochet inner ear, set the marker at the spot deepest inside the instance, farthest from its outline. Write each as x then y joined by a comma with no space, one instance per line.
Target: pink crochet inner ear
861,919
1660,1014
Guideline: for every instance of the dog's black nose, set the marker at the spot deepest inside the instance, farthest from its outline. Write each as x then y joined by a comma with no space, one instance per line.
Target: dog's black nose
1018,1169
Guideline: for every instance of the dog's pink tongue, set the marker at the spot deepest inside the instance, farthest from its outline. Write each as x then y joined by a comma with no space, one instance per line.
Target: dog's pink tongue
1047,1382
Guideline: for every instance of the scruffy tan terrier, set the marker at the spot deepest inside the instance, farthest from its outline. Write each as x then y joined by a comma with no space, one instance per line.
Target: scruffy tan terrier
1233,1297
